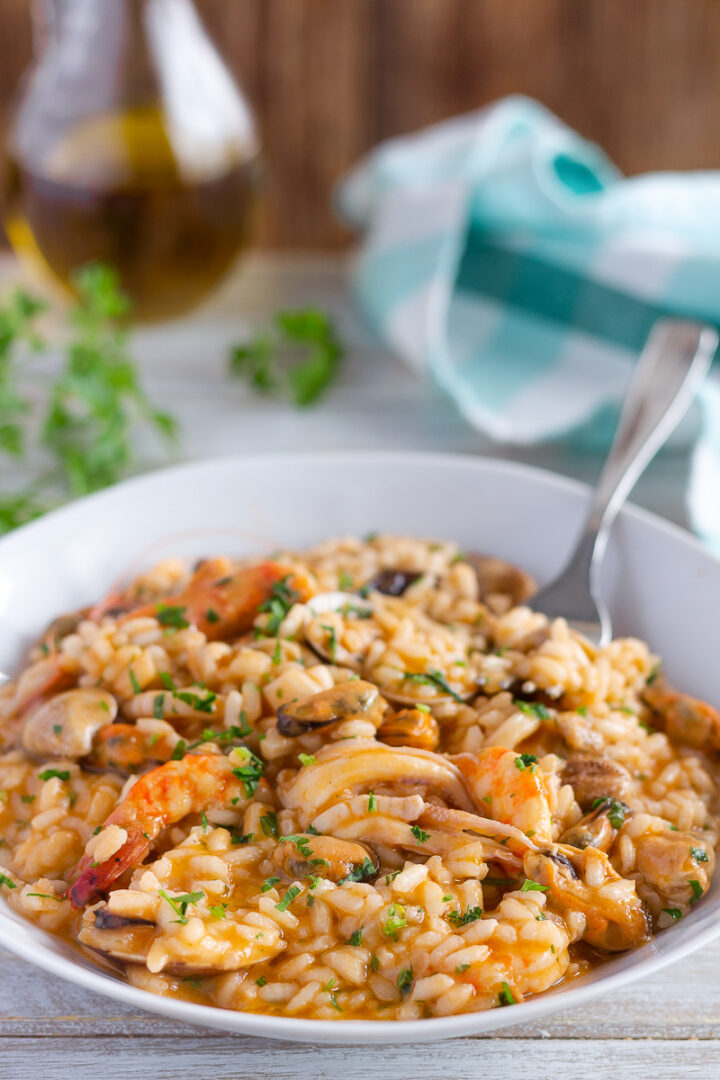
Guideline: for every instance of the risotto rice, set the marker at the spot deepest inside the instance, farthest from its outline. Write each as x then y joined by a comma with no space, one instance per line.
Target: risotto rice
362,781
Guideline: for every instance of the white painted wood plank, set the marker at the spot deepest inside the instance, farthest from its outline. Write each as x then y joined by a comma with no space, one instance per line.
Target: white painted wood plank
460,1059
681,1002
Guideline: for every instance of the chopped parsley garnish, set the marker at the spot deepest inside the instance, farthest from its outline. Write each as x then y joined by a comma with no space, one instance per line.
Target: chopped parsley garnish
506,996
332,639
582,711
374,962
461,968
372,803
48,774
269,824
301,843
46,896
616,810
533,886
159,706
696,888
204,820
28,798
137,688
179,750
202,703
391,877
278,604
5,880
435,678
533,708
219,912
333,1002
699,854
277,655
306,759
250,773
166,680
57,728
471,915
172,615
654,673
262,981
405,981
395,921
526,761
180,904
212,616
242,838
345,582
419,834
288,898
360,873
269,884
312,830
673,912
356,937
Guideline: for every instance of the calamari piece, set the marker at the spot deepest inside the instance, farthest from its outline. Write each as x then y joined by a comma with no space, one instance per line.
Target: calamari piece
577,883
686,719
358,765
508,843
66,725
341,702
159,799
678,866
219,599
506,788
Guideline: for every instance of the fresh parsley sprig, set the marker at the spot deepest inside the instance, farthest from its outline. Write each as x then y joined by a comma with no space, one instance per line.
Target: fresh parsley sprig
86,417
298,355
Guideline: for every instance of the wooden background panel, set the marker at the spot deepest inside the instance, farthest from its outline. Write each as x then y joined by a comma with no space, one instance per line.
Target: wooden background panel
331,77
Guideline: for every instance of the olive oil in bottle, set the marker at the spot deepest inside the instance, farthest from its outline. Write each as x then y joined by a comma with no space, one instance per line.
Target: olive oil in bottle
131,144
112,189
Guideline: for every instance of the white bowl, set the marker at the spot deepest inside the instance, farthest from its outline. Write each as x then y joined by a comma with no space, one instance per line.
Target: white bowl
660,583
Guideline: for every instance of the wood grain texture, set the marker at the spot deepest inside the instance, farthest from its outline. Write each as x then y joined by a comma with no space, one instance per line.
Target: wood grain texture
331,77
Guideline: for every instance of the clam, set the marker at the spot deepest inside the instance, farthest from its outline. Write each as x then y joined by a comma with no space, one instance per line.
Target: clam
65,725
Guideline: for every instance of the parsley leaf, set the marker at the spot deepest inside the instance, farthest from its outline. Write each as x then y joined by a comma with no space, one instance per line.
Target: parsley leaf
433,678
299,354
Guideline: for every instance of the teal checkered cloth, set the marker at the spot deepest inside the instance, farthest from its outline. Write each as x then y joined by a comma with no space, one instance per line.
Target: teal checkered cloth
510,259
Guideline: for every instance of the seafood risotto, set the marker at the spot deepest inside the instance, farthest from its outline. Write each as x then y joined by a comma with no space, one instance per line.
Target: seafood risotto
362,781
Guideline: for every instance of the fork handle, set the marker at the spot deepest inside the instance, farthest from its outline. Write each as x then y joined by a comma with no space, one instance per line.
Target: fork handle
669,372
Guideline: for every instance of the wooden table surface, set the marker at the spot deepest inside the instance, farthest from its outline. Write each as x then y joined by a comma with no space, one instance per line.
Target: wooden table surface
664,1028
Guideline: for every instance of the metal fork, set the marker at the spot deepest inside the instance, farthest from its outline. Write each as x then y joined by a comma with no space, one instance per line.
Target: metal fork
670,370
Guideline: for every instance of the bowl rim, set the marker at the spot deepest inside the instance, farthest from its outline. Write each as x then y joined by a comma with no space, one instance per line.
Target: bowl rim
685,940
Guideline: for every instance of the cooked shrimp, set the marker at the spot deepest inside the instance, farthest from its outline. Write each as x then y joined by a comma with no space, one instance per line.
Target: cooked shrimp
159,799
508,787
584,884
686,719
220,599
